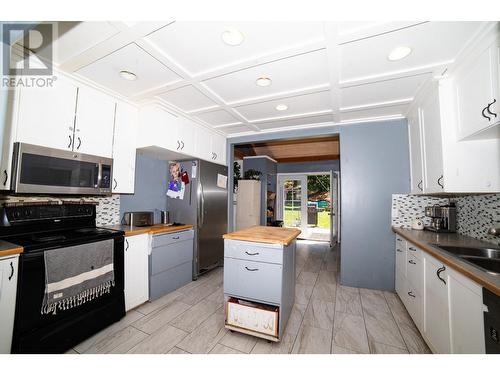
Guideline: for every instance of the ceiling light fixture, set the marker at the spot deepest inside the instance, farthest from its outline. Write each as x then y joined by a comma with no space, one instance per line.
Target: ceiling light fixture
128,76
263,81
232,37
281,107
399,53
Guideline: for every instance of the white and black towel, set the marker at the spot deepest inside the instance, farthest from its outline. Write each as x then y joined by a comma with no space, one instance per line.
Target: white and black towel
77,274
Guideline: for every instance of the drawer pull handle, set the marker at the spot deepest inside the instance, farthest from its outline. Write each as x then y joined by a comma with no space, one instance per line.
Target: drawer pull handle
412,248
175,238
247,253
251,269
411,262
438,274
411,294
399,251
399,239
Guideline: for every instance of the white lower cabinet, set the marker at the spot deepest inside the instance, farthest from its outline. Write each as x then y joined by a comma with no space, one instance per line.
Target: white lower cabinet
136,270
436,306
446,306
8,289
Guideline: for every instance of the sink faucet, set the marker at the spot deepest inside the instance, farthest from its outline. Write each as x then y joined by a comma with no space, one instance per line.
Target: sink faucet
494,231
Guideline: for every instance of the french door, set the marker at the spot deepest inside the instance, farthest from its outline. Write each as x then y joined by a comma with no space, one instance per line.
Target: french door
293,202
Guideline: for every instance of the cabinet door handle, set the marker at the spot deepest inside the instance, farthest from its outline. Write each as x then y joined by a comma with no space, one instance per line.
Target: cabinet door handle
247,253
438,273
419,185
126,241
439,182
411,294
213,155
412,248
182,147
178,144
175,238
412,262
116,183
11,271
70,141
251,269
79,143
488,108
215,158
5,177
485,116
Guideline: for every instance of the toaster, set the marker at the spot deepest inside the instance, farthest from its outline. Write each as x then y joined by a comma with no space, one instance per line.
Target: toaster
138,218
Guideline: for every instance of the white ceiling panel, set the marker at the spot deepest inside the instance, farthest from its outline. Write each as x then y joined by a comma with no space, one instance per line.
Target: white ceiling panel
187,99
294,73
382,91
319,101
218,117
198,46
431,43
74,38
233,129
363,114
150,72
296,122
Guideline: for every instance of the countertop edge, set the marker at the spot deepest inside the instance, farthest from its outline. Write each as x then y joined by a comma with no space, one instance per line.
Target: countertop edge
7,248
450,260
135,231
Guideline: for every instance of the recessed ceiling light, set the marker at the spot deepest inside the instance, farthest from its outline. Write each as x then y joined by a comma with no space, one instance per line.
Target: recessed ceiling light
129,76
399,53
232,37
263,81
281,107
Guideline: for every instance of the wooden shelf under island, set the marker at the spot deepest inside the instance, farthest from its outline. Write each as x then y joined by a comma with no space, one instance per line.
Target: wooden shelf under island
259,273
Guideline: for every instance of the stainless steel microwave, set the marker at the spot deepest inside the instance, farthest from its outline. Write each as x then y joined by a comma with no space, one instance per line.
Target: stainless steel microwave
43,170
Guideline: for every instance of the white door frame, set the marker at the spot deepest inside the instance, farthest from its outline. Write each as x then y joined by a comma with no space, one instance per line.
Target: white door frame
279,202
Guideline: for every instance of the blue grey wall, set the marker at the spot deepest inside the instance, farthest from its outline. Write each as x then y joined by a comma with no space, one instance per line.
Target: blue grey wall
316,166
150,186
375,165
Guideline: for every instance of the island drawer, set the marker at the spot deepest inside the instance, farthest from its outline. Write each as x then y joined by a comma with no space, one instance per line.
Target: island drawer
253,251
253,280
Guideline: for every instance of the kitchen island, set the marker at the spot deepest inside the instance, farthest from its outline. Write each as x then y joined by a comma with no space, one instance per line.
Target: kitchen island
259,280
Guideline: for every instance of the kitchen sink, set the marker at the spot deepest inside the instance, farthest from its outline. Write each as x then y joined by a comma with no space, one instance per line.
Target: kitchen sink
483,257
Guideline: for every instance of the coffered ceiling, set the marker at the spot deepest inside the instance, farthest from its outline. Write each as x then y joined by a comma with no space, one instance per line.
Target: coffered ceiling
319,72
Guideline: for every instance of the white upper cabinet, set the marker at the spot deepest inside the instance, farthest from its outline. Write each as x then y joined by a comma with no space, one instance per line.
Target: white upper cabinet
219,148
177,137
415,150
94,123
430,123
124,148
46,116
477,87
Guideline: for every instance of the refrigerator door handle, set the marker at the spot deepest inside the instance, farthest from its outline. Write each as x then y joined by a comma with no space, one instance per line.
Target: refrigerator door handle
201,212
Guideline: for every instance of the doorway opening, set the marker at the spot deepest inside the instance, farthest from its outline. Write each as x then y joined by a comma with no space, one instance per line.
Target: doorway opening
309,202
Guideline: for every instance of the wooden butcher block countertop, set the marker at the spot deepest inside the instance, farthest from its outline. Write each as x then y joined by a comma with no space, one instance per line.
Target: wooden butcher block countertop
425,240
273,235
7,248
153,229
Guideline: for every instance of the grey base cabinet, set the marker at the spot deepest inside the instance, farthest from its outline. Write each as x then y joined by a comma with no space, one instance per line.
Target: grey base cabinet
260,273
170,262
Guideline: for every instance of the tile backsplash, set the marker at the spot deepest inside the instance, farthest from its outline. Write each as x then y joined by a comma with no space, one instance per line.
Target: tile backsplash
107,210
475,213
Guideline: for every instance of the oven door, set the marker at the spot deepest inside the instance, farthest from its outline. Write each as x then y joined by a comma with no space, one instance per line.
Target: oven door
35,332
45,170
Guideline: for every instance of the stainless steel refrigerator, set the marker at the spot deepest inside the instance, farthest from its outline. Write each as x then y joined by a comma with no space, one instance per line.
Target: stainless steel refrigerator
205,205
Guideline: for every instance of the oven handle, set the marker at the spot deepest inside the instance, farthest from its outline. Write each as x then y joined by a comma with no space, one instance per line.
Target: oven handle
99,175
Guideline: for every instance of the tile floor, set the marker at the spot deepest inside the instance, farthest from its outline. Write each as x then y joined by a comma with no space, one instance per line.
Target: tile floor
327,318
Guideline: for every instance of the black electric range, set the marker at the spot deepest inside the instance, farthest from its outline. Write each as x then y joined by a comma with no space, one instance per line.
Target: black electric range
40,228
